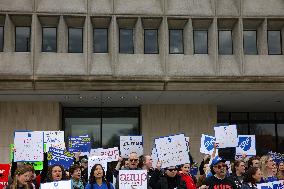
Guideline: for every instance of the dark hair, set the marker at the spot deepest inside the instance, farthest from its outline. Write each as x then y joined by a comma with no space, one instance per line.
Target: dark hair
49,173
92,179
250,164
236,164
248,175
73,168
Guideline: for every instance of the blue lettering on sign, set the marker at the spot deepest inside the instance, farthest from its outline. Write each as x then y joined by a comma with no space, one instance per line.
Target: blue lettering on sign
29,135
169,139
278,186
245,143
209,143
265,187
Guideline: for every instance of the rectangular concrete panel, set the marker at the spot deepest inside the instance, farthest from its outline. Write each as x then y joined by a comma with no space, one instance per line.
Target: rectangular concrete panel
228,7
154,7
16,63
62,6
101,6
263,7
16,5
101,65
229,65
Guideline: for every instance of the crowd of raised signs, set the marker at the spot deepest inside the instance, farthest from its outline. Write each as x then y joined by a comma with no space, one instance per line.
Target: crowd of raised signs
40,159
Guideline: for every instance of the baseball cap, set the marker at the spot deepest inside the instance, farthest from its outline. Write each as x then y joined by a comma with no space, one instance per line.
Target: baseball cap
216,160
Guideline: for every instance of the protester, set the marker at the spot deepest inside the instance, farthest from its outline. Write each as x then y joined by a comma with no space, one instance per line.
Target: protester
252,177
55,173
97,179
147,164
206,170
280,173
238,170
75,174
254,162
84,170
186,177
22,178
266,166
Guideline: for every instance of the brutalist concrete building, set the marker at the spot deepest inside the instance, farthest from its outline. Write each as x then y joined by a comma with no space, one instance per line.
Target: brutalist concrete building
152,67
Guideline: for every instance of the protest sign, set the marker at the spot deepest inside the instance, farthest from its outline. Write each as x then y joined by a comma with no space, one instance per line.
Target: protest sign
130,144
246,145
129,179
267,185
278,184
187,141
4,175
57,185
226,136
154,157
80,144
38,166
207,144
97,160
60,157
11,152
172,150
28,146
111,153
54,139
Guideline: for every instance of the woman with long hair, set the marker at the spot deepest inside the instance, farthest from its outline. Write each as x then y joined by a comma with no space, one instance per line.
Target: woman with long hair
97,179
55,173
238,170
22,178
252,177
186,177
267,166
280,173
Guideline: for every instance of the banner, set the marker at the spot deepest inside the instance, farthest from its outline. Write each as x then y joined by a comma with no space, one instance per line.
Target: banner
246,145
60,157
130,144
4,175
278,184
28,146
267,185
57,185
54,139
79,144
129,179
172,150
111,153
207,144
226,136
97,160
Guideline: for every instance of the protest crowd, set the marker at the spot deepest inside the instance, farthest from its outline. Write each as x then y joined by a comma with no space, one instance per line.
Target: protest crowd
40,160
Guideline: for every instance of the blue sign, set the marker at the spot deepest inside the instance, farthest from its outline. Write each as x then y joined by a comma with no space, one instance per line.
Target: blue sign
80,144
209,143
245,143
60,157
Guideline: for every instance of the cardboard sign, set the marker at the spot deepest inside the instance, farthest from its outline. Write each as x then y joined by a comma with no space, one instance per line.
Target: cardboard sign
246,145
28,146
130,144
172,150
60,157
80,144
111,153
54,139
4,175
129,179
57,185
207,144
226,136
97,160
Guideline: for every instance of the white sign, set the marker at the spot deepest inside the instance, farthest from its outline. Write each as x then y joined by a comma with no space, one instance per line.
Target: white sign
130,144
28,146
97,160
154,157
172,150
226,136
228,163
57,185
187,141
207,144
54,139
268,185
246,145
111,153
133,179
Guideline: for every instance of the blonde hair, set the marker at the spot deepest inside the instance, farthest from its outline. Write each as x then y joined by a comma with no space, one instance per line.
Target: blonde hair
263,161
20,171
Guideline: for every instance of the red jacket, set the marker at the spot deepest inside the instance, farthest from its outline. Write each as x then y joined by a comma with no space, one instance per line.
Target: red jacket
188,180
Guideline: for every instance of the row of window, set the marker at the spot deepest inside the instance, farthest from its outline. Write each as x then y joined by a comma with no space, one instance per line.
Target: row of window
151,45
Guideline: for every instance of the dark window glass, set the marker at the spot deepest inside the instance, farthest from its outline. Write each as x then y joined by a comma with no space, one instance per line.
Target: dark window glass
241,120
126,41
176,41
1,38
250,42
274,42
75,40
100,40
200,41
225,42
22,39
49,43
151,41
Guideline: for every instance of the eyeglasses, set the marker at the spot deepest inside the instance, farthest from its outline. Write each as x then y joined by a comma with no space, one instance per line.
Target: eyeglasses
220,166
133,160
171,170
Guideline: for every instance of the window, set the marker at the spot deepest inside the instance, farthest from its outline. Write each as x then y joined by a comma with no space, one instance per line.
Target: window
75,40
126,41
225,42
100,40
49,39
274,42
200,41
151,41
22,39
250,42
176,41
1,38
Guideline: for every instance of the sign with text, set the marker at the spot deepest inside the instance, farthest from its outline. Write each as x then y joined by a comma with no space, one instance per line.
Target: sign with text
246,145
111,153
226,136
97,160
130,144
80,144
207,144
57,185
54,139
129,179
57,156
4,175
267,185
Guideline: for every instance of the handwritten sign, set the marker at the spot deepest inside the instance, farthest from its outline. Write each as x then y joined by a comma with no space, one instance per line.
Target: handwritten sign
130,144
28,146
226,136
80,144
172,150
154,157
97,160
207,144
129,179
246,145
111,153
54,139
4,175
57,185
268,185
61,157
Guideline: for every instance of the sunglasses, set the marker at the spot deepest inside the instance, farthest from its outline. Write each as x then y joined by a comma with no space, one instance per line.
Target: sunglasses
133,160
220,166
171,170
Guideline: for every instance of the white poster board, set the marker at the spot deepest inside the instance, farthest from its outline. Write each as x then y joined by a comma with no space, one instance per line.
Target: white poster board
226,136
97,160
154,157
267,185
246,145
129,179
57,185
172,150
111,153
130,144
207,144
54,139
28,146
